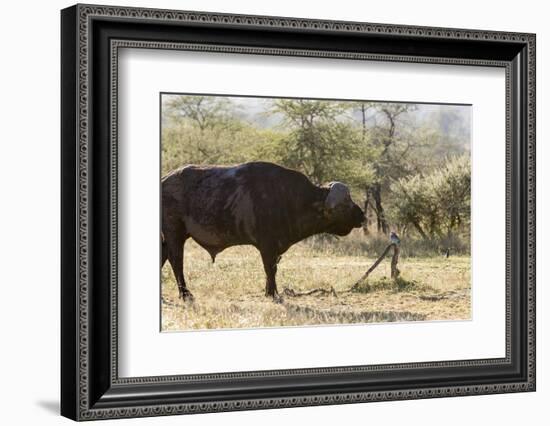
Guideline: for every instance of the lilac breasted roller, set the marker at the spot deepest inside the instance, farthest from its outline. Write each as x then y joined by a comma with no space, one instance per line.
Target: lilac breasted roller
394,238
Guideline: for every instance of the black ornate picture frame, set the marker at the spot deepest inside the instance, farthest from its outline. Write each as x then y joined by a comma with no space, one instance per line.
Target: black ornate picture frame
90,385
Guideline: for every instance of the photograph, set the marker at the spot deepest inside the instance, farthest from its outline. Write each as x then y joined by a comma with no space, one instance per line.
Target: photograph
285,212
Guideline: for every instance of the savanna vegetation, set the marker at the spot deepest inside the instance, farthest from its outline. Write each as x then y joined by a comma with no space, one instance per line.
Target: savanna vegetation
408,167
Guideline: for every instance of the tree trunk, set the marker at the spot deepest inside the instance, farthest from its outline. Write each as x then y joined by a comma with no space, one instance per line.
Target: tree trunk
382,225
366,210
419,229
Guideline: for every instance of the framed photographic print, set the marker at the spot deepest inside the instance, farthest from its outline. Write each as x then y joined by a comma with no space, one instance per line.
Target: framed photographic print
263,212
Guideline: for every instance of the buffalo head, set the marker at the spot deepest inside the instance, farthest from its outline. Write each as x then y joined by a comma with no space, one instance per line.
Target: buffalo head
340,210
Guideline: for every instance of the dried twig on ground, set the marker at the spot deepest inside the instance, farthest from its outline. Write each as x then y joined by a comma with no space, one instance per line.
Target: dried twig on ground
293,293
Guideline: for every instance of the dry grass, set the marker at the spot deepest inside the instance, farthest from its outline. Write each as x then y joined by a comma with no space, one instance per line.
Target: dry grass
230,293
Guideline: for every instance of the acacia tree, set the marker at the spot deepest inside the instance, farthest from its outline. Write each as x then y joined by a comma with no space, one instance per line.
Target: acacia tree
391,156
206,112
321,143
364,108
201,129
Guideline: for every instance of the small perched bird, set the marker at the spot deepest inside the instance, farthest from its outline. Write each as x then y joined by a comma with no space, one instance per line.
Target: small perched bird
394,238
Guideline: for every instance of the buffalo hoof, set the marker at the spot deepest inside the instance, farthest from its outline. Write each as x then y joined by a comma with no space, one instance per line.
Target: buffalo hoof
186,295
276,298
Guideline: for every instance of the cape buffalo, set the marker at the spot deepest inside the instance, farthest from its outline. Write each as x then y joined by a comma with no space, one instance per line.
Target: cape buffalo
262,204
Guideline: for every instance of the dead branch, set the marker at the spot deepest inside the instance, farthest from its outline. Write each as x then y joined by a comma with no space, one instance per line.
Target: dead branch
375,264
293,293
289,292
395,258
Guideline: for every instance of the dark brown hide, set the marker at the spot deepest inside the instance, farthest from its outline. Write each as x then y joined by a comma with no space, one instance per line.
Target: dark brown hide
262,204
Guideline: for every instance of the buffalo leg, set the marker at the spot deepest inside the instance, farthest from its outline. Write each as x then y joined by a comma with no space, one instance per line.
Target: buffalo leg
175,257
270,266
164,253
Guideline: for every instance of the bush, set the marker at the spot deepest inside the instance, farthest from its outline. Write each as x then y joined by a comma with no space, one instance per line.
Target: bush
437,203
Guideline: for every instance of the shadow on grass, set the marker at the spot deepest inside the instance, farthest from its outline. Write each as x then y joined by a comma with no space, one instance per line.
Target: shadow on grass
318,316
394,285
